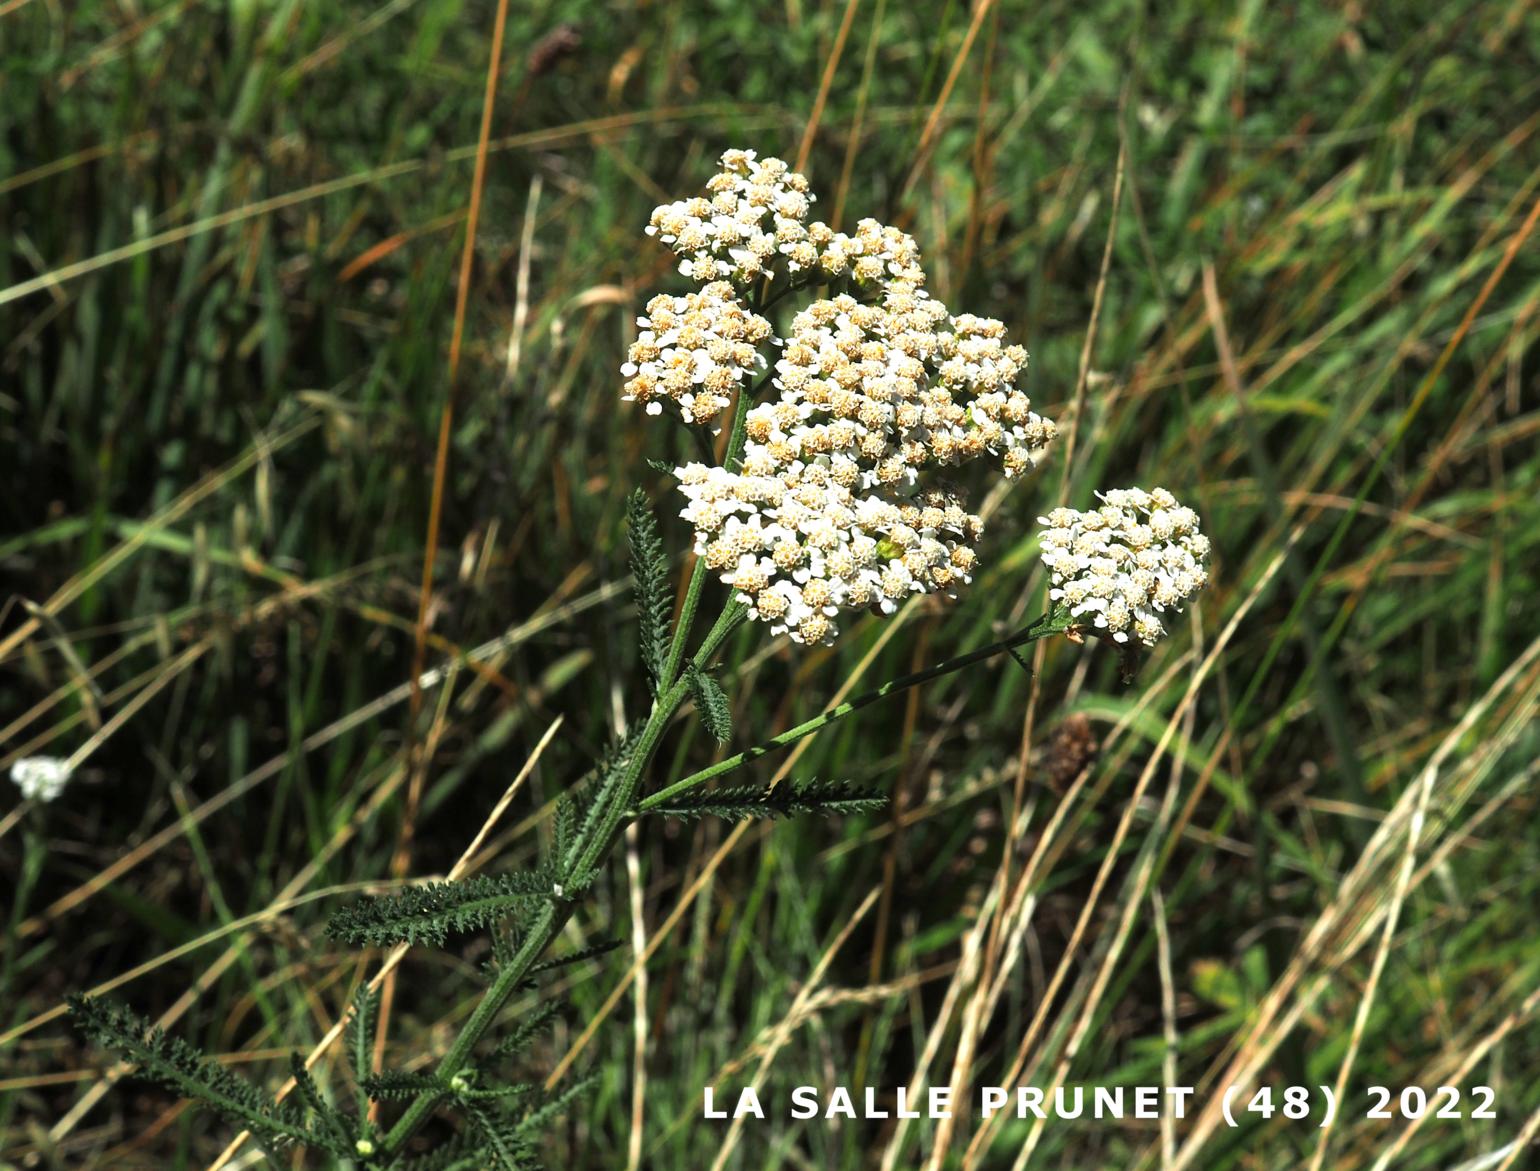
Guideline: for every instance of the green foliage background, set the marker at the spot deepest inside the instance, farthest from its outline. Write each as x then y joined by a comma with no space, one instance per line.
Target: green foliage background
231,234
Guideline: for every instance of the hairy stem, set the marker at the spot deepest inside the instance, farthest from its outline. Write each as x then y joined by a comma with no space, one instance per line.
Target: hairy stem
1050,623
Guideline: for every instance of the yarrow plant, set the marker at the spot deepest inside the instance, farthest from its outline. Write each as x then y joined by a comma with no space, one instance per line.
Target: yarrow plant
829,498
834,502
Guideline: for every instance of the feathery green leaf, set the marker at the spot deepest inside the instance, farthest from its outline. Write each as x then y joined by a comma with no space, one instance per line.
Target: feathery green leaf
310,1094
649,565
787,799
552,1107
506,1146
610,771
567,819
575,957
463,1152
528,1029
190,1072
432,912
711,702
358,1036
390,1085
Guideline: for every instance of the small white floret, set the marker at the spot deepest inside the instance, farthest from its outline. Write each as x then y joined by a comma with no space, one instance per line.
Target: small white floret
41,778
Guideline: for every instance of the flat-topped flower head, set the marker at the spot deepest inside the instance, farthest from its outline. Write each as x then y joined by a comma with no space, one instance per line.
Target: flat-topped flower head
751,215
834,497
834,503
1124,564
695,350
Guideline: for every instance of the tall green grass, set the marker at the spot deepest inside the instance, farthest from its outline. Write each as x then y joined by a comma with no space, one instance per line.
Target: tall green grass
230,242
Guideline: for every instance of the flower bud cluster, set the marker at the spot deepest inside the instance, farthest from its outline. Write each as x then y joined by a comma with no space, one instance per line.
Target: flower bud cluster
696,350
1124,564
754,218
799,547
877,254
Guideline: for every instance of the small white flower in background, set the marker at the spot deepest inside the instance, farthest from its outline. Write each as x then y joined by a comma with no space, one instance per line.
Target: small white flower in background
41,777
1123,564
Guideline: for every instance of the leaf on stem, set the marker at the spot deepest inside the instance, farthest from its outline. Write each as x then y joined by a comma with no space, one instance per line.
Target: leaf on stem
649,565
552,1107
464,1152
575,957
505,1147
432,912
358,1036
310,1093
394,1085
192,1073
529,1028
787,799
711,701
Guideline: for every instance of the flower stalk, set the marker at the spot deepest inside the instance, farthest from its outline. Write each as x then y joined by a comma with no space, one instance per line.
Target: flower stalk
1054,622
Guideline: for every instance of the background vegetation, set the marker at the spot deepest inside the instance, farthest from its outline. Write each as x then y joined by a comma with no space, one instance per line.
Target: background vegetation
1304,844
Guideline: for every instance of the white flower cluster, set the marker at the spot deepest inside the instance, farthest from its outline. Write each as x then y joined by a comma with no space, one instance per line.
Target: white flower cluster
754,217
696,350
799,547
828,509
1125,563
41,777
877,254
754,214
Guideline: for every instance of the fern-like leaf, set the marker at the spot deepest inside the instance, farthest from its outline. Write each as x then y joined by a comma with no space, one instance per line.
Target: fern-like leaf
535,1120
711,701
358,1036
497,1093
609,773
567,819
432,912
463,1152
191,1073
506,939
528,1029
575,957
649,565
310,1094
787,799
505,1146
394,1085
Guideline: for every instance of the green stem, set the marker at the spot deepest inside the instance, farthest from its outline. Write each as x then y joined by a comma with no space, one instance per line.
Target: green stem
539,935
588,852
682,627
553,915
1051,623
